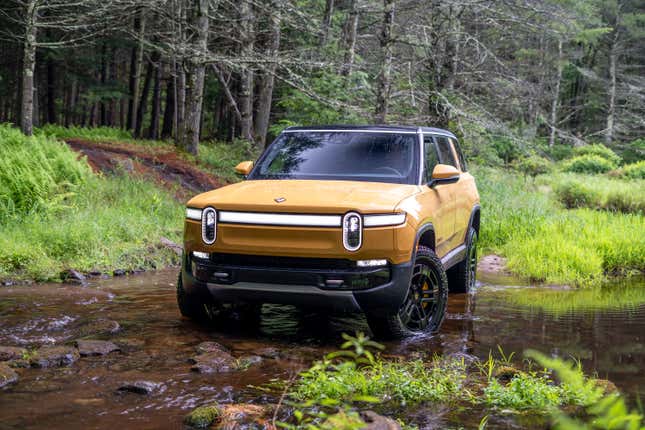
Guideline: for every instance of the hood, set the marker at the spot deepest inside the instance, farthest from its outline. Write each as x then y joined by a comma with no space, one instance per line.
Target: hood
306,196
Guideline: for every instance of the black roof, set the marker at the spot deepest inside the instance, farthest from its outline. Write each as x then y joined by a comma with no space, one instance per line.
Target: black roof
407,128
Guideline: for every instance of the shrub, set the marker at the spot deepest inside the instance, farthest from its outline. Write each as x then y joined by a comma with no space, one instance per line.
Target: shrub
573,194
594,164
88,133
633,171
597,149
600,193
533,165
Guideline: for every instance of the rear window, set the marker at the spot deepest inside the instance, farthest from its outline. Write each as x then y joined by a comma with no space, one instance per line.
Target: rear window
353,156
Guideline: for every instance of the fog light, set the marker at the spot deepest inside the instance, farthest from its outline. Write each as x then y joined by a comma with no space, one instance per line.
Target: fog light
371,263
352,231
202,255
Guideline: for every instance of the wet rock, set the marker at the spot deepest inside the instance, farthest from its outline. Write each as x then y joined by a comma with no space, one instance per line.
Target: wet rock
140,387
54,356
243,415
214,362
7,283
119,272
99,326
249,360
20,363
607,386
211,347
71,275
375,421
492,264
95,347
176,248
506,373
130,343
11,353
95,273
269,352
7,375
202,416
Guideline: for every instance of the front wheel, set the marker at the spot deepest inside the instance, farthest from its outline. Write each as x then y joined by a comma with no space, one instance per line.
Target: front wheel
424,306
189,306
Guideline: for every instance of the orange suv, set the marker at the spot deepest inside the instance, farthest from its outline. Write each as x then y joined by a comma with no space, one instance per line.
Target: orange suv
378,219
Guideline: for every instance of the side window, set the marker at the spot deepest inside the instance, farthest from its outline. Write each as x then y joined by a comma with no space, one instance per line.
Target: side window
445,151
431,159
460,154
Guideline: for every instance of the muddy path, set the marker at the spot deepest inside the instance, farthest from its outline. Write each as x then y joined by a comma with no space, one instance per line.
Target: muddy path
147,378
161,165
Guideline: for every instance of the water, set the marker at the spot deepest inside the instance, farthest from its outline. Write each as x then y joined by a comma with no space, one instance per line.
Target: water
604,328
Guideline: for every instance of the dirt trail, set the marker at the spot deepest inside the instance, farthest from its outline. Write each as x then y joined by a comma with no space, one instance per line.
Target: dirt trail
163,166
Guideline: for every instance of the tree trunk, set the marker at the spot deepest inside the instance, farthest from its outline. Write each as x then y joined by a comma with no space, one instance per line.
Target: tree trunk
143,103
556,95
195,91
611,110
267,81
51,90
153,132
136,63
169,112
246,76
326,23
384,77
351,29
28,67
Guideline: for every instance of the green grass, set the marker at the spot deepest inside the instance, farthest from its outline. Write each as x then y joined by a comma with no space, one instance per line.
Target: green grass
72,219
222,157
599,192
546,243
95,134
592,164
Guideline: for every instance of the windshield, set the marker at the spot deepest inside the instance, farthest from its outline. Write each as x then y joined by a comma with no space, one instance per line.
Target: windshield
352,156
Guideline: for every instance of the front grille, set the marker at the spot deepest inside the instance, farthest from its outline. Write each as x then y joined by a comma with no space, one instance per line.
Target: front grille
257,261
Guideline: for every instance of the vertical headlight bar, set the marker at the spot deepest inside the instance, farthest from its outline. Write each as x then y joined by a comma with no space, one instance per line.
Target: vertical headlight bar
209,225
352,231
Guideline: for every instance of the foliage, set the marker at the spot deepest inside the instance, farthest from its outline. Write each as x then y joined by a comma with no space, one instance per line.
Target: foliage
598,192
545,243
96,134
533,165
597,149
604,412
105,223
524,391
593,164
633,171
36,173
222,157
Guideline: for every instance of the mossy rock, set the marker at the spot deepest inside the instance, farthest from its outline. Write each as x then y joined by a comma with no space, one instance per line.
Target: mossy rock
506,373
202,416
607,386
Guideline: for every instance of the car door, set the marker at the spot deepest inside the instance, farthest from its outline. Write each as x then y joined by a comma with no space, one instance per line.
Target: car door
437,202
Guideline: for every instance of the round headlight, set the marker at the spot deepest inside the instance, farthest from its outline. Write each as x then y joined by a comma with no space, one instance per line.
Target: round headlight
352,231
209,225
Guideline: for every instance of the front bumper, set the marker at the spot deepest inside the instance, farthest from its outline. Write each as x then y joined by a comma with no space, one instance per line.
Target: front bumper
320,283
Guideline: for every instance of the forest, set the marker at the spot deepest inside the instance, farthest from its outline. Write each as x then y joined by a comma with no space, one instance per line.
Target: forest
509,76
114,113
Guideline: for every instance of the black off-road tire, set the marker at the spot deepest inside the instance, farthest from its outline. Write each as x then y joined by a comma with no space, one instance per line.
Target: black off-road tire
461,277
189,306
428,271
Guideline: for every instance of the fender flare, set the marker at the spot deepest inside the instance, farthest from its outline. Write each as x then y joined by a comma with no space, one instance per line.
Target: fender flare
475,214
420,232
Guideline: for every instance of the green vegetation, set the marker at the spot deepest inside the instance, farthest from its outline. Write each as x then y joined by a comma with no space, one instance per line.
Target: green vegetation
94,134
589,164
544,242
56,215
633,171
329,394
598,150
599,192
202,417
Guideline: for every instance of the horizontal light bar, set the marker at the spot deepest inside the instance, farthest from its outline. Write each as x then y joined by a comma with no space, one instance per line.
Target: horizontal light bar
383,220
352,131
202,255
279,219
371,263
194,214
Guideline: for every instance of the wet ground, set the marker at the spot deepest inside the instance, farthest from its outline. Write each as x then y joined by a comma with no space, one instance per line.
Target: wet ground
605,328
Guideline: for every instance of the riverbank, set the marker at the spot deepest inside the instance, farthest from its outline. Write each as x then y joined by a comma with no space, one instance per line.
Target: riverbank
104,203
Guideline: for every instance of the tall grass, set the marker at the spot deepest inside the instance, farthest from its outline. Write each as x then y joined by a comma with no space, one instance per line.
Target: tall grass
106,134
546,243
56,215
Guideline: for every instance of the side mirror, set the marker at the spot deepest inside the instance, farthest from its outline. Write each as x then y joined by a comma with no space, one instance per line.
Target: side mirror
244,168
443,174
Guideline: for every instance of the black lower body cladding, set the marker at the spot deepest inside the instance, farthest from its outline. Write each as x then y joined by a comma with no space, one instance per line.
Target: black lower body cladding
300,282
